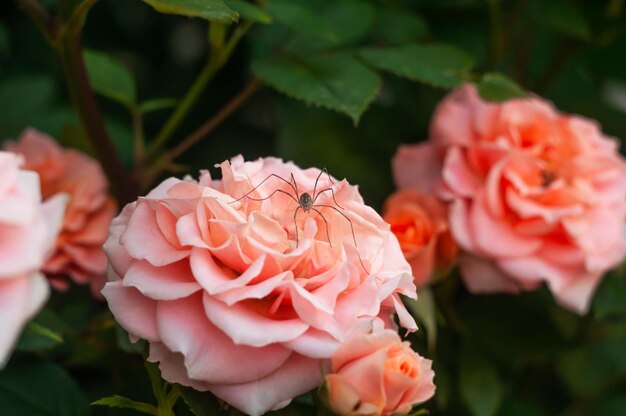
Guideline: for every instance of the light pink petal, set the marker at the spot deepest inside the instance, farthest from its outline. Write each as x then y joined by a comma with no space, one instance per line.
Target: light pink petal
135,312
416,166
245,325
116,253
144,240
172,366
482,276
209,354
20,299
458,175
297,376
172,281
314,343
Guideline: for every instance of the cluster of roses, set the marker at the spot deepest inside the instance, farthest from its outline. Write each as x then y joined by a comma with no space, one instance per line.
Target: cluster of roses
244,290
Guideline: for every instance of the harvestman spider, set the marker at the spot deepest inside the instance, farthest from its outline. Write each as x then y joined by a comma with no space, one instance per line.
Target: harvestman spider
306,202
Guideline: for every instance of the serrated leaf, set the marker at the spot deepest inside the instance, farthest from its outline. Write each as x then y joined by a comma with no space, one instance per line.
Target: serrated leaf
110,78
157,104
349,20
497,87
40,389
126,403
249,11
398,27
480,387
438,65
337,82
215,10
300,19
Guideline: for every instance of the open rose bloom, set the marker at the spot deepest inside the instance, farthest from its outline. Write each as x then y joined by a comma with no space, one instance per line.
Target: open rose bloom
421,225
78,249
27,232
535,195
238,298
378,374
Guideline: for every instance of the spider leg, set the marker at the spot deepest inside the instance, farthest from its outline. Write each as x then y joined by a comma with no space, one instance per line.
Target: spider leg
333,194
272,194
262,182
295,186
351,228
325,222
295,224
317,179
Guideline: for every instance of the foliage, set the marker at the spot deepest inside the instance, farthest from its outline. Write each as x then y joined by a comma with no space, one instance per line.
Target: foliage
342,84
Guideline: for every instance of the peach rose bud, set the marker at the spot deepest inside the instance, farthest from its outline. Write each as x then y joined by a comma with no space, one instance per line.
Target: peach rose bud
378,374
78,249
421,226
27,232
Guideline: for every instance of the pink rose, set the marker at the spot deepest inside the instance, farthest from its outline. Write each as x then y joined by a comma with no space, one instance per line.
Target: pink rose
378,374
78,248
27,233
239,298
420,223
536,195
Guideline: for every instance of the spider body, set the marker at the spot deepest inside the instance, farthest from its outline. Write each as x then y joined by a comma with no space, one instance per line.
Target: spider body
306,202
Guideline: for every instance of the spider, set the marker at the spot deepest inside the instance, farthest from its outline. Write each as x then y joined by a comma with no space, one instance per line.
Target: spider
306,203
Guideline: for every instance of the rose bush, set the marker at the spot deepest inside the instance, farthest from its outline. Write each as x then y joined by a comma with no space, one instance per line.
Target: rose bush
420,223
378,374
27,232
78,249
241,297
536,195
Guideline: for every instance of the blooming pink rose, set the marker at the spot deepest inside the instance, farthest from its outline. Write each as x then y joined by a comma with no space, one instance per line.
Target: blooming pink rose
78,248
27,232
241,297
536,195
421,225
378,374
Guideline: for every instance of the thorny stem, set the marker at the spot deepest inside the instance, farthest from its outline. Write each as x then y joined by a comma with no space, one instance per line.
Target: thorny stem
40,16
497,31
139,139
210,125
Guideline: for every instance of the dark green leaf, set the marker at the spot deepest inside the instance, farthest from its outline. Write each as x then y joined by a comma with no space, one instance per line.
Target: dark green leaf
398,27
110,78
498,87
40,389
4,41
481,389
126,403
38,338
610,299
612,406
562,16
300,19
424,311
200,403
337,82
438,65
157,104
249,11
205,9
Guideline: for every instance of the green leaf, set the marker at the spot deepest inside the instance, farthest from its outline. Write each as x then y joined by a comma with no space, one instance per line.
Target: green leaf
424,310
205,9
398,27
337,82
249,11
438,65
562,16
37,337
5,44
40,389
349,20
200,403
610,299
497,87
157,104
300,19
110,78
126,403
480,387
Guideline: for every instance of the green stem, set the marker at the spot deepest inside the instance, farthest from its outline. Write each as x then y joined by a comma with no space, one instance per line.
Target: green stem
220,53
497,31
139,138
164,402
